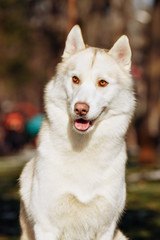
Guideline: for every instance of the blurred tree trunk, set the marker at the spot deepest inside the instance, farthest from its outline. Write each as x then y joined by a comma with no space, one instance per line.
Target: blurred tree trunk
149,126
142,27
72,14
154,78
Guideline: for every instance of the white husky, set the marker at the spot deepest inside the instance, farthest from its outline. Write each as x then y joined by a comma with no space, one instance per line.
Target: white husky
74,188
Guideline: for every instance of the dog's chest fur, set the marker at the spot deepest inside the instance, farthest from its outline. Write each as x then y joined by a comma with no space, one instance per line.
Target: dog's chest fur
78,220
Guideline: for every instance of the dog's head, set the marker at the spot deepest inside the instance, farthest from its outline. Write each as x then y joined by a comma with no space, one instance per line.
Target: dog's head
96,83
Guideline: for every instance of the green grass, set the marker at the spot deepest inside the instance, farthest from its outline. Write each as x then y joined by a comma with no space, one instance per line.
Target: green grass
144,195
141,220
9,198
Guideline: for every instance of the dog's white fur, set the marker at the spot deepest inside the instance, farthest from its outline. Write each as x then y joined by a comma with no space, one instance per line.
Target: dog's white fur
74,188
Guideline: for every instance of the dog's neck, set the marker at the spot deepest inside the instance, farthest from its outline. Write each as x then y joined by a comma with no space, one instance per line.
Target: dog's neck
79,141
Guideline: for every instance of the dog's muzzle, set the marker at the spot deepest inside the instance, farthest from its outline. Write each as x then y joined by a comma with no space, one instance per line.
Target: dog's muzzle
81,109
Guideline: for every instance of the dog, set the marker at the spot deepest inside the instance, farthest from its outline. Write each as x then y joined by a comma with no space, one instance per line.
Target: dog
74,188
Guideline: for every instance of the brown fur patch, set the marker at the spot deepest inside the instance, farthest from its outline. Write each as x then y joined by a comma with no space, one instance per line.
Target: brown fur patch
94,57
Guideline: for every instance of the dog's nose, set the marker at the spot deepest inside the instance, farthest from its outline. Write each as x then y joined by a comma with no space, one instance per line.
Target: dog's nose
81,108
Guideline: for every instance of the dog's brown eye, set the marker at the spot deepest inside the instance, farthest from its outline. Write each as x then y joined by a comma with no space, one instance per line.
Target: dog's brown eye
75,80
102,83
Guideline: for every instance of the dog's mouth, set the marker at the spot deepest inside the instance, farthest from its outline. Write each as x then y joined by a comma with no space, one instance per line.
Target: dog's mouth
82,124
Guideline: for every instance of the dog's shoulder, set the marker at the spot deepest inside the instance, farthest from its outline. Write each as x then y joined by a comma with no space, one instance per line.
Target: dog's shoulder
26,177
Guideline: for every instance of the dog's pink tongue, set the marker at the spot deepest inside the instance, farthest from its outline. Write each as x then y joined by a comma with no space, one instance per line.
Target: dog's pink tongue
81,124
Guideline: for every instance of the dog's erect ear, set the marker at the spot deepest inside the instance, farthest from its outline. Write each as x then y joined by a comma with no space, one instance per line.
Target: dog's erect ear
121,52
74,42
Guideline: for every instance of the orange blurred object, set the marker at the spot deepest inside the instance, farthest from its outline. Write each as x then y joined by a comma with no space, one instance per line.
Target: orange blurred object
147,155
14,122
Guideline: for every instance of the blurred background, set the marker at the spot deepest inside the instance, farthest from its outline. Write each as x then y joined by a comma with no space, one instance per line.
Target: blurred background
32,38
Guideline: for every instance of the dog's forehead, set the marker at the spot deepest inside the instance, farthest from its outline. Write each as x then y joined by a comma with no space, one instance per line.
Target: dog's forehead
92,59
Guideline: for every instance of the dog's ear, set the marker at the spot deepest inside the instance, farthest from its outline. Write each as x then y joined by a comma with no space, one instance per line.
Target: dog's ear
74,42
121,52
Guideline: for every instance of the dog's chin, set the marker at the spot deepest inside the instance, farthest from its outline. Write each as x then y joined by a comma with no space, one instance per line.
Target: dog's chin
83,126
